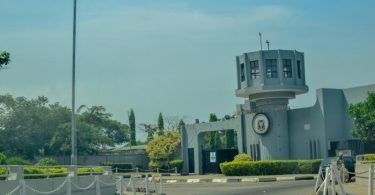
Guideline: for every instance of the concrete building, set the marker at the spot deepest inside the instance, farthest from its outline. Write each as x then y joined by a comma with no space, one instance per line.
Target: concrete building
266,127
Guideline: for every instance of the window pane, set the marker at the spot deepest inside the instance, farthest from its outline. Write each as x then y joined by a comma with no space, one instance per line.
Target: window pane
271,68
287,68
254,69
242,72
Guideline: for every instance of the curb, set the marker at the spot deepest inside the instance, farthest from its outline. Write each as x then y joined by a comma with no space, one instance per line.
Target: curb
239,180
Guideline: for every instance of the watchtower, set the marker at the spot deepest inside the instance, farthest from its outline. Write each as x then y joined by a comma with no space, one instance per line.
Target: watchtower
268,79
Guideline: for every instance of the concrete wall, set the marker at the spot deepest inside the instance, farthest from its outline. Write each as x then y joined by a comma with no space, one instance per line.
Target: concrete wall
140,160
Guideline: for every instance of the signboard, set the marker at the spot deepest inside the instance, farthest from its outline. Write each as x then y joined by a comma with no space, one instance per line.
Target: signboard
212,157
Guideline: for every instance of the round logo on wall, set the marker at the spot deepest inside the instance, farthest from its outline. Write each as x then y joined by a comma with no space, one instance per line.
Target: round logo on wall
261,124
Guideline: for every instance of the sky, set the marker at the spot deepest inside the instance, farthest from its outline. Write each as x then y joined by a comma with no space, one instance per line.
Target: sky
177,57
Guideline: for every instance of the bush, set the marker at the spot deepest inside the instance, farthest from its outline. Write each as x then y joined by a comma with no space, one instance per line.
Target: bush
121,166
2,158
269,167
177,163
369,157
3,170
242,157
47,162
153,164
17,161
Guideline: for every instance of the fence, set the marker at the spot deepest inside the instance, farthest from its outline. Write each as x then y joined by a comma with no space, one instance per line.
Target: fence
365,173
139,170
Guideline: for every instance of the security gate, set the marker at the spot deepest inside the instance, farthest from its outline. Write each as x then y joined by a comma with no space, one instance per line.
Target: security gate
212,159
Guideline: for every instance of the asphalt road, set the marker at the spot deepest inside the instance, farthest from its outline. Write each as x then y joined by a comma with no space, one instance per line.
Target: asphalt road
263,188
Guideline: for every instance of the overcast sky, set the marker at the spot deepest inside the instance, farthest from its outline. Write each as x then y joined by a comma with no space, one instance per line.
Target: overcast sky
177,57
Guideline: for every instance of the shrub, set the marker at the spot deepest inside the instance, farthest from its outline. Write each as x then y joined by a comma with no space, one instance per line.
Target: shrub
177,163
269,167
121,166
47,162
17,161
369,157
242,157
153,164
3,170
2,158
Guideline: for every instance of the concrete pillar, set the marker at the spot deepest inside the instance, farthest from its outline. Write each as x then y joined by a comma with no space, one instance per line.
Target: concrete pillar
184,149
198,154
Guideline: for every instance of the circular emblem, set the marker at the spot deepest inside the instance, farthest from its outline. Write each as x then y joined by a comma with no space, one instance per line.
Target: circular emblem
261,124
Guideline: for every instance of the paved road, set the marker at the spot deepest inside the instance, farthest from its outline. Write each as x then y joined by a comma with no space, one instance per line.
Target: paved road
264,188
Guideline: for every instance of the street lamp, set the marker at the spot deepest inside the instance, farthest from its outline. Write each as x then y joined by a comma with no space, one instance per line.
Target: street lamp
73,159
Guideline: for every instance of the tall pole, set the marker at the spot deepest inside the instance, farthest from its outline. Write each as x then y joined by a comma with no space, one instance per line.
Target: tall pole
260,40
73,160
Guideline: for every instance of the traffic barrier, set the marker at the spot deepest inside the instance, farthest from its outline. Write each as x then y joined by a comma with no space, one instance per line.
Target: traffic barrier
333,175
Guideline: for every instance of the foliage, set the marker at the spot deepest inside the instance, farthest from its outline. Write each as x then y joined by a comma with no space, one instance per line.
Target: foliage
229,139
177,163
131,118
369,157
121,166
269,167
3,158
3,170
55,170
161,164
149,129
35,127
363,114
47,162
161,149
4,59
160,129
17,161
212,138
242,157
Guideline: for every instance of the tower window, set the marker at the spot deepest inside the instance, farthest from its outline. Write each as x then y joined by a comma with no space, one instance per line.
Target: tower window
299,72
287,68
242,72
271,68
254,69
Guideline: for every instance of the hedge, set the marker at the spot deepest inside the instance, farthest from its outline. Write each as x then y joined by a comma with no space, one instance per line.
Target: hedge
121,166
177,163
369,157
269,167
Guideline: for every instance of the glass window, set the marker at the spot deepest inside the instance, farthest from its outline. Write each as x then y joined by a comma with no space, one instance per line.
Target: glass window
271,68
287,68
254,69
299,72
242,72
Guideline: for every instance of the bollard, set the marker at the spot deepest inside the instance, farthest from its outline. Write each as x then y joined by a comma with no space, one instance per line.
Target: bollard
333,177
157,170
136,169
69,186
97,185
133,185
161,184
326,181
121,185
318,178
116,171
22,187
147,191
370,180
175,170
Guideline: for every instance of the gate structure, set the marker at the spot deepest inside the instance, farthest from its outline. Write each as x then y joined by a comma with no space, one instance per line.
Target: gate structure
211,159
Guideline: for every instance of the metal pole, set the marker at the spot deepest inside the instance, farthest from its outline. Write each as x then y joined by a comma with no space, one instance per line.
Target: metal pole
260,39
371,180
73,160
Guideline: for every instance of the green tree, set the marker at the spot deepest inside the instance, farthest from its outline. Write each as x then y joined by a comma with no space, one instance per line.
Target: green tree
229,138
131,118
213,138
4,59
160,129
363,115
162,149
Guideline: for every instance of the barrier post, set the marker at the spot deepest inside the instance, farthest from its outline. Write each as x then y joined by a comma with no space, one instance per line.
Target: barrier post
69,186
116,171
136,169
371,180
326,181
175,170
147,191
22,187
133,184
121,185
157,170
318,179
97,185
161,184
333,177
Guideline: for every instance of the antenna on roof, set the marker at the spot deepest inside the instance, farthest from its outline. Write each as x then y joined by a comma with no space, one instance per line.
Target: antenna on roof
260,39
268,44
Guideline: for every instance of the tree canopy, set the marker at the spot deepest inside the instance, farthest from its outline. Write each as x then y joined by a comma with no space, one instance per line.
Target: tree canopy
163,148
4,59
30,127
131,118
363,115
160,130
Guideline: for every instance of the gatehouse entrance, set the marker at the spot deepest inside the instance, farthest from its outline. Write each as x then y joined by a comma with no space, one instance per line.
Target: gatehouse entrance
211,159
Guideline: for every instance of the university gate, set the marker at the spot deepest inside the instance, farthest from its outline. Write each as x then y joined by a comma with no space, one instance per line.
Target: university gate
211,159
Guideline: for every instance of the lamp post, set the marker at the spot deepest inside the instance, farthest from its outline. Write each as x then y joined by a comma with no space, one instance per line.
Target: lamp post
73,160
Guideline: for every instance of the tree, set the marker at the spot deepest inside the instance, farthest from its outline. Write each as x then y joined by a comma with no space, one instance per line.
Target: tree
4,59
150,129
132,127
229,138
213,138
363,115
160,130
163,148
